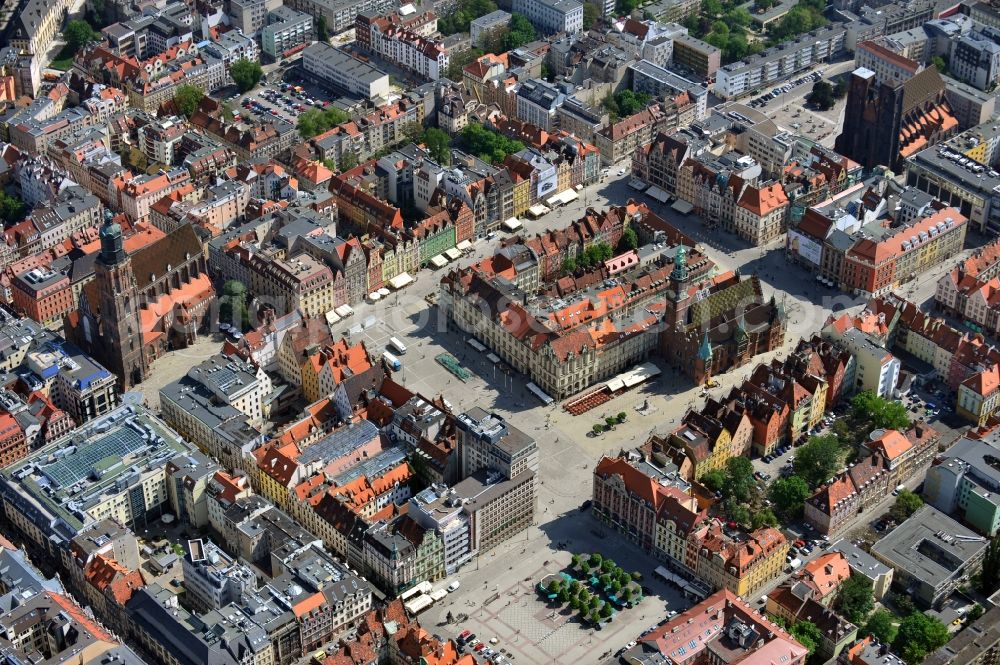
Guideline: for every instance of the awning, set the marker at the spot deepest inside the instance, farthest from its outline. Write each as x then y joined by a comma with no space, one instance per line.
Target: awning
682,206
537,210
383,292
637,375
453,254
579,188
615,384
635,183
493,358
439,261
569,196
344,311
512,224
400,280
463,246
331,317
374,295
658,194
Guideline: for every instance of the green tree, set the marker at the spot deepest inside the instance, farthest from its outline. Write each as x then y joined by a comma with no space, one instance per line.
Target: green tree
519,33
737,512
740,483
763,5
233,308
438,144
989,577
591,13
974,614
881,626
486,144
553,586
941,63
714,480
762,518
821,96
12,210
348,161
187,98
465,12
575,561
789,495
919,635
626,7
739,16
818,459
629,240
569,265
563,595
78,34
840,88
855,599
808,635
317,121
246,74
712,8
906,504
322,31
574,603
595,560
879,412
629,103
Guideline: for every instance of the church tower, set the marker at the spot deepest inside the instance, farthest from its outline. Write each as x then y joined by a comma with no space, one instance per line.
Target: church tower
120,329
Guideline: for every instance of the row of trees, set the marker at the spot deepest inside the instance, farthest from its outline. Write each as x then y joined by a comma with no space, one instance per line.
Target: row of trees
592,256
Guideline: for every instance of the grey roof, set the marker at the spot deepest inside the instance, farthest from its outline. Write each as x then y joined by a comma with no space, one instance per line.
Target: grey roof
340,442
861,562
981,459
669,78
491,427
359,71
930,546
55,485
946,163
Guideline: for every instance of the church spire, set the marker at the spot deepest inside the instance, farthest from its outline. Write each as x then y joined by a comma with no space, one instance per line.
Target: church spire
112,248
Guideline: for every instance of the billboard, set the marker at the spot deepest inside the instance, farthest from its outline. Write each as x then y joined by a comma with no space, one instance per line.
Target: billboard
805,247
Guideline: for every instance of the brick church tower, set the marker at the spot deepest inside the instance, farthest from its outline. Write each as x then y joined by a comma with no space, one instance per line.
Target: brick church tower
120,327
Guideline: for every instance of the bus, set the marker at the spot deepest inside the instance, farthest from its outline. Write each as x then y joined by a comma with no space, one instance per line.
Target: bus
392,360
397,345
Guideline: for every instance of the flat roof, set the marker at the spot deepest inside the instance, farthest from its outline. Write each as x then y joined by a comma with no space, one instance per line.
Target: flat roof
930,546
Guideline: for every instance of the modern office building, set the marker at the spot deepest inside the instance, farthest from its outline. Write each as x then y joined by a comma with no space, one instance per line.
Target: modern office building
931,555
115,467
551,16
965,482
286,30
331,66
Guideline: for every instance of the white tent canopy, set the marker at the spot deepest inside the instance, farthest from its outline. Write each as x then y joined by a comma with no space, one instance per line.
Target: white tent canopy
463,246
512,224
658,194
332,318
344,311
439,261
682,206
453,254
383,292
400,280
374,296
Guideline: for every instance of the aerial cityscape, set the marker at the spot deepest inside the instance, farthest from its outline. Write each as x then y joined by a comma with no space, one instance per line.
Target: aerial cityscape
500,332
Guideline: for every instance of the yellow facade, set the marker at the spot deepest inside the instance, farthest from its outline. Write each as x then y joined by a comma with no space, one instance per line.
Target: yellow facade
522,196
722,450
310,380
818,404
761,572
